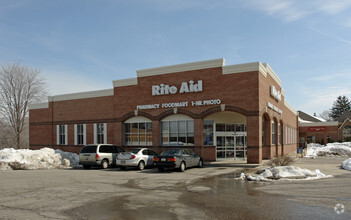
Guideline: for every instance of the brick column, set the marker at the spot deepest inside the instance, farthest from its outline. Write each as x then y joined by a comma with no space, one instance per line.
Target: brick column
156,133
198,134
254,145
118,133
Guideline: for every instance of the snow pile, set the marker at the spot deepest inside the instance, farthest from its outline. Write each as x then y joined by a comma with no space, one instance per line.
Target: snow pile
332,149
346,164
286,173
45,158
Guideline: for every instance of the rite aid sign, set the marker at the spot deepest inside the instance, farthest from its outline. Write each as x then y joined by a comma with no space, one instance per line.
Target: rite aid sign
186,87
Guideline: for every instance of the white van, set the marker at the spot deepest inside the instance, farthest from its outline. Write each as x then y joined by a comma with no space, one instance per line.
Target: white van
103,155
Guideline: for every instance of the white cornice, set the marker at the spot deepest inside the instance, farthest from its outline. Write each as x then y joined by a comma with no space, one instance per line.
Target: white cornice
81,95
290,108
316,124
38,106
273,75
181,67
125,82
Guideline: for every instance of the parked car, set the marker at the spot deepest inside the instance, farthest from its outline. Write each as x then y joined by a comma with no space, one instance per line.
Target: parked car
102,155
139,157
177,158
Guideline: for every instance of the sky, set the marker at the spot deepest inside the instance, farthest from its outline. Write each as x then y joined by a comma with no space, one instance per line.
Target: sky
83,45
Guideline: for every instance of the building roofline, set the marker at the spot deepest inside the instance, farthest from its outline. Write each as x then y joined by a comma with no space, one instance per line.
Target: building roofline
81,95
181,67
315,124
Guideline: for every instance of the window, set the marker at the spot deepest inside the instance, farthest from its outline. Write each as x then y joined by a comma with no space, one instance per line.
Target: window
100,133
61,134
138,133
208,132
263,131
273,132
177,132
79,134
347,133
279,134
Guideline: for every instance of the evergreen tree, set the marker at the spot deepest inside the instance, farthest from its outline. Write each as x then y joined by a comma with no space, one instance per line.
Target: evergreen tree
341,105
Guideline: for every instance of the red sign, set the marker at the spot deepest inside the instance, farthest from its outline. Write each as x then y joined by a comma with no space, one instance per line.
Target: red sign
317,129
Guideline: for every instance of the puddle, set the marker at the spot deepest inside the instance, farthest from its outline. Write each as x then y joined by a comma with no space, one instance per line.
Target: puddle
235,199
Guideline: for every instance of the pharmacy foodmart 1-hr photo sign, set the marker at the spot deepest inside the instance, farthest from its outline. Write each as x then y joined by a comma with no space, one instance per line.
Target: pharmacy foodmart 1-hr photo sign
186,87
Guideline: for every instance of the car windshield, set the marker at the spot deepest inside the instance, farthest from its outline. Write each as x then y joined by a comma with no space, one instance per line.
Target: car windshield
134,151
172,152
89,149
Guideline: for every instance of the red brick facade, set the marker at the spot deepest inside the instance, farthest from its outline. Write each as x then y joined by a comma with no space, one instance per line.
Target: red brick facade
244,89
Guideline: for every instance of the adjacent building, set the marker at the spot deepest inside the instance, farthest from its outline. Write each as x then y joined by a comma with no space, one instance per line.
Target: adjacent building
315,130
221,112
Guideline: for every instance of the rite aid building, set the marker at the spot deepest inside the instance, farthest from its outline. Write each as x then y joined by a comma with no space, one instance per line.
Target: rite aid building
221,112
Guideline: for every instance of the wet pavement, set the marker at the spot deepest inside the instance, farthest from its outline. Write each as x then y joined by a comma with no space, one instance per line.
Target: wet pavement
208,193
228,198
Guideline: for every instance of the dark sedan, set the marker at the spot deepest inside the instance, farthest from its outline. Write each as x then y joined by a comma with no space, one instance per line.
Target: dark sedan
177,158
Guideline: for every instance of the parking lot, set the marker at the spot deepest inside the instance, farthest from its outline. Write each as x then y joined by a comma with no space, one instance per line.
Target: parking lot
62,194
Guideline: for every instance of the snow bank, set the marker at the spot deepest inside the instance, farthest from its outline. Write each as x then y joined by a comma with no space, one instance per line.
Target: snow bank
45,158
332,149
286,173
346,164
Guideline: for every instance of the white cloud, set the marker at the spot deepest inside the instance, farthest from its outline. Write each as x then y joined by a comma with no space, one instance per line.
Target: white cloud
290,10
68,82
327,78
332,36
322,98
333,7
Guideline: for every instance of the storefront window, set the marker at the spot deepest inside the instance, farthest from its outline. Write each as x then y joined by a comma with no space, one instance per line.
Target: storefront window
139,133
208,132
177,132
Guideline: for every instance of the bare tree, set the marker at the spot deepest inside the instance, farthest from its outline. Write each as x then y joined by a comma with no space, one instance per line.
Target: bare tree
325,115
19,87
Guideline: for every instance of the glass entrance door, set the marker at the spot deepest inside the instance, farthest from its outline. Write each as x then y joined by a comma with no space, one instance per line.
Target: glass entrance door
230,141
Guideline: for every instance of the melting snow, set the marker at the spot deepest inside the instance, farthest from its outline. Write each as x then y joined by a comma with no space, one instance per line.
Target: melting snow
346,164
332,149
286,173
45,158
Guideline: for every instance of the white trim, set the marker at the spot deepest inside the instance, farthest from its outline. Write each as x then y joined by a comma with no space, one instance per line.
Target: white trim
290,108
177,117
181,67
95,133
58,134
38,106
105,133
315,124
75,134
240,68
81,95
125,82
85,134
347,119
272,73
138,119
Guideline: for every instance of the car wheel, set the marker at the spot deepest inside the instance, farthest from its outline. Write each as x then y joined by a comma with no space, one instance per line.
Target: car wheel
86,166
182,167
123,168
201,164
141,165
161,169
104,164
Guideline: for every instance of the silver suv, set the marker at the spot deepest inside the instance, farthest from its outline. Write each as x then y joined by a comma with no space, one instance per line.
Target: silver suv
103,155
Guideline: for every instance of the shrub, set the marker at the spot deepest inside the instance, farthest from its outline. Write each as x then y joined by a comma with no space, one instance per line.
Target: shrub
281,161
